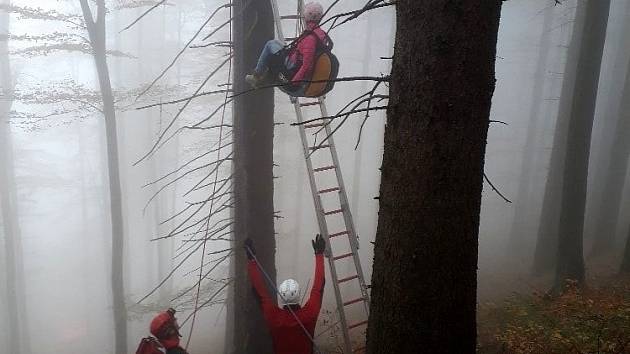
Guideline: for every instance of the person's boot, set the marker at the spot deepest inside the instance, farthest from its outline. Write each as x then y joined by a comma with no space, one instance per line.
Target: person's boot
254,79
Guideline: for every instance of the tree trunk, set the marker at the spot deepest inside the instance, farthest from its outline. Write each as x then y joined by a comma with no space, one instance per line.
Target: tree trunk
625,264
253,173
616,161
424,280
601,157
570,261
16,316
522,206
97,33
547,240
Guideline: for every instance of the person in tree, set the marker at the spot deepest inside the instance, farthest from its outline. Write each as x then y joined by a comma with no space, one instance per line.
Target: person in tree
166,330
292,326
298,59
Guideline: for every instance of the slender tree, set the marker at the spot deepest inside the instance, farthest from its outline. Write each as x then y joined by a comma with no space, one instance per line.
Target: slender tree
96,28
614,165
625,264
547,238
424,278
17,335
523,202
253,173
570,258
619,162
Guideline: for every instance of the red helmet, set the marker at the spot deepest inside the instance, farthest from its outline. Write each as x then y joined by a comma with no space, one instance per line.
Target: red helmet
164,325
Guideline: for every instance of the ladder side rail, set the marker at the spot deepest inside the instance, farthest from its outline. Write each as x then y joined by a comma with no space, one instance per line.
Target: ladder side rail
323,227
277,20
347,215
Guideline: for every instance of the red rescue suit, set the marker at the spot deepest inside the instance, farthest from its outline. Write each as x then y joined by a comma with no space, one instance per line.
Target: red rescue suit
287,334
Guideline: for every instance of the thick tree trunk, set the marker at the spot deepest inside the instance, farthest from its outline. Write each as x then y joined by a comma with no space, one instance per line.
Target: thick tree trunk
253,174
16,316
522,204
424,281
570,261
97,33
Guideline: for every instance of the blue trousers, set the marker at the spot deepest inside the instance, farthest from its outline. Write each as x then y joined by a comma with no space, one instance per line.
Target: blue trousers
271,47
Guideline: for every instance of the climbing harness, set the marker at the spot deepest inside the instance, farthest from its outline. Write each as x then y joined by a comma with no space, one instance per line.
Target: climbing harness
325,65
335,206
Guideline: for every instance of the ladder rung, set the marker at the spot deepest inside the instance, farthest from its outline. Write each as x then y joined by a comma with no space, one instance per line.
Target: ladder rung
319,147
291,17
338,234
342,256
314,125
290,39
337,211
314,103
343,280
320,169
353,301
357,324
334,189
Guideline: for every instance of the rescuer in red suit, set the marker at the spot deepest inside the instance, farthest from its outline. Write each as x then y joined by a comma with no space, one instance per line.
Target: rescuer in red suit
290,323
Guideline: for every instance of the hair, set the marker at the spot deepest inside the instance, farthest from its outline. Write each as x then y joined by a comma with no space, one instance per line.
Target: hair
313,12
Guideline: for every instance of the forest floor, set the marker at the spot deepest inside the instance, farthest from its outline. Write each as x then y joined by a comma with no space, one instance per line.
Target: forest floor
525,320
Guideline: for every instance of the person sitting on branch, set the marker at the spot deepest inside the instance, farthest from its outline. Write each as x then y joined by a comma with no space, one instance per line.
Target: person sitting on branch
294,64
292,326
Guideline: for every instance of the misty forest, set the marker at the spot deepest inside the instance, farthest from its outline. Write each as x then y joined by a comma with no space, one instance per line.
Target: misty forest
314,177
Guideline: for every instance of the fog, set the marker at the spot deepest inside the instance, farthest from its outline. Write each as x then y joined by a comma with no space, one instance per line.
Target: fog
55,163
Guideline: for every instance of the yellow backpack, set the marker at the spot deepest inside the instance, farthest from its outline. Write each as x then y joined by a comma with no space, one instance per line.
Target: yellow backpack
325,70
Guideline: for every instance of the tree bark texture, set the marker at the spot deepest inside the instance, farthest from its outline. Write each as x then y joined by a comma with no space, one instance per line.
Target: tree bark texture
424,281
16,316
253,173
547,239
570,259
97,33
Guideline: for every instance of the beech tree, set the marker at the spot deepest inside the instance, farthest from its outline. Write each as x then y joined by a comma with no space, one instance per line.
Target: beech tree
424,281
97,33
547,236
614,160
523,201
581,105
16,316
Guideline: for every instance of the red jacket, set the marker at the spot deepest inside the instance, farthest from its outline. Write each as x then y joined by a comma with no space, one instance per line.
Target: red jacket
305,51
287,335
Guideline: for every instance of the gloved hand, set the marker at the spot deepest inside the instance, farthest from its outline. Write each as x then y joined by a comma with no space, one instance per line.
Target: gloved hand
250,251
319,245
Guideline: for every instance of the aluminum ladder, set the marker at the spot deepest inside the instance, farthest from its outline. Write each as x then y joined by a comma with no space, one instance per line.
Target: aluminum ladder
326,151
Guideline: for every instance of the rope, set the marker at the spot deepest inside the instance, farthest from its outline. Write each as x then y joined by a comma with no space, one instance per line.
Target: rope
273,285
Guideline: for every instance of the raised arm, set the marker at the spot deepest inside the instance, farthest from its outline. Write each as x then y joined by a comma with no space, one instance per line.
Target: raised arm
314,303
268,306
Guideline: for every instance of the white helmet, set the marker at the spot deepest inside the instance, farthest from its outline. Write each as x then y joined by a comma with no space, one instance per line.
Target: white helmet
289,292
313,12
